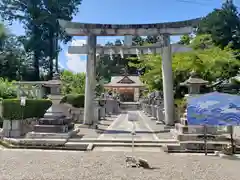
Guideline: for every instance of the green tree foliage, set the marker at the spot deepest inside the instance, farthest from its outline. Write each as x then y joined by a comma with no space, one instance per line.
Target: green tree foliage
72,83
40,22
3,34
223,25
7,89
211,64
185,40
15,63
203,41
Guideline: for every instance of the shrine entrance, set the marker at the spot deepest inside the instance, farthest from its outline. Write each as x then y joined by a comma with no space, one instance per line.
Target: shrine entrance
162,30
127,95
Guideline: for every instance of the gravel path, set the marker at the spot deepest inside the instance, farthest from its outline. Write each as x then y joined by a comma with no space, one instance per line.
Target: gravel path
52,165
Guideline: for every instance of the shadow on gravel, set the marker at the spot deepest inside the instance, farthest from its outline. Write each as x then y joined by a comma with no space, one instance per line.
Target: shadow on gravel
129,132
103,124
151,168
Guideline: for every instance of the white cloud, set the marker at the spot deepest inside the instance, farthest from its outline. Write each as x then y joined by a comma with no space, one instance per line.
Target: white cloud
74,61
60,65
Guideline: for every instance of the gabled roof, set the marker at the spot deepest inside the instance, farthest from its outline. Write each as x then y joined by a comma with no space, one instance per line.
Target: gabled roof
194,81
126,80
131,81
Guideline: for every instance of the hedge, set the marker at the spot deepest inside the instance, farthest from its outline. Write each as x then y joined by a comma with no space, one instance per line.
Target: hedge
76,100
12,110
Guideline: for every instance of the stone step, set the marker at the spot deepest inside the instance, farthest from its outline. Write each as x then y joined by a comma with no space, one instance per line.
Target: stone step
55,115
198,129
119,144
78,146
52,128
197,137
200,145
178,148
40,135
54,121
36,142
51,144
163,141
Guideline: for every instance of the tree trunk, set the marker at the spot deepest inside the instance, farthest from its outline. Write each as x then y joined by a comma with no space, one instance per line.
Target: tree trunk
56,52
36,65
51,54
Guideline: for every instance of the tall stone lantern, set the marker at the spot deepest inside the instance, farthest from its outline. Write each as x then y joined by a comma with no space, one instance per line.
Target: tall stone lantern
194,83
55,94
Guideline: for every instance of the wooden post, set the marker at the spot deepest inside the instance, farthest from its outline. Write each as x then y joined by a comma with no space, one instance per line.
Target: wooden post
231,138
205,139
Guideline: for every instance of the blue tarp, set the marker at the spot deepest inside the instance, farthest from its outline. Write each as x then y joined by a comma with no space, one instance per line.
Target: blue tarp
215,109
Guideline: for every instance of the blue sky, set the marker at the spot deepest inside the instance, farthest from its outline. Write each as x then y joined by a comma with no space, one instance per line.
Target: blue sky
129,12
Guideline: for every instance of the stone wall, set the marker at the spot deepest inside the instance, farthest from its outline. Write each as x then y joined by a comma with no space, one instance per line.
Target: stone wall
78,114
18,128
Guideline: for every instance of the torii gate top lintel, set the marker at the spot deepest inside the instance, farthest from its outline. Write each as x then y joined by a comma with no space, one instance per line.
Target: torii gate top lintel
171,28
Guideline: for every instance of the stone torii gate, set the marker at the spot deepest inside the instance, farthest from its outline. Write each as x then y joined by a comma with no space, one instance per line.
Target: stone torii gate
163,30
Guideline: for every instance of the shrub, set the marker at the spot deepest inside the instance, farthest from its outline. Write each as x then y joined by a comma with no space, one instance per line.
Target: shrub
76,100
7,89
181,104
12,110
72,83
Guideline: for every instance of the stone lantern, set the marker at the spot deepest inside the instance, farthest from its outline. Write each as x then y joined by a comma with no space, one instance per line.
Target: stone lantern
194,83
55,93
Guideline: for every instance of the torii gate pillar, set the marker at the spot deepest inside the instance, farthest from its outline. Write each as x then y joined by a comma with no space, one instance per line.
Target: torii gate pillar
90,82
167,77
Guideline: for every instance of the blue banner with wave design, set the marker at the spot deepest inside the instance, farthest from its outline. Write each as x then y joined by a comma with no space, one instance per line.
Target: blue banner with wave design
215,109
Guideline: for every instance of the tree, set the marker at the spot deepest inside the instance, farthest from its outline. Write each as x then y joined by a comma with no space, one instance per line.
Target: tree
138,40
40,22
15,63
185,40
151,39
211,64
203,41
72,83
3,34
223,25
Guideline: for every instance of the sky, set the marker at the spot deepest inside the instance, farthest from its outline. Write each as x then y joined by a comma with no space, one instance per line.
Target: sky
128,12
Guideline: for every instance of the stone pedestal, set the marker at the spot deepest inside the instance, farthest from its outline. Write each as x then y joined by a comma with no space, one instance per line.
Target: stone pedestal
149,110
102,112
77,114
144,107
112,106
154,111
96,112
12,128
160,114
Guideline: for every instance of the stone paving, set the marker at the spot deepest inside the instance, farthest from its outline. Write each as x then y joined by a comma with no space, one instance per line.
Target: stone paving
91,133
146,129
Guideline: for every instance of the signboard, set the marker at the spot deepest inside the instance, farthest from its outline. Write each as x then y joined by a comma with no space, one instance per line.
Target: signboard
23,101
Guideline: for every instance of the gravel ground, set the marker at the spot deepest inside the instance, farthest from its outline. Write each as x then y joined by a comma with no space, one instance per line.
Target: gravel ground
52,165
